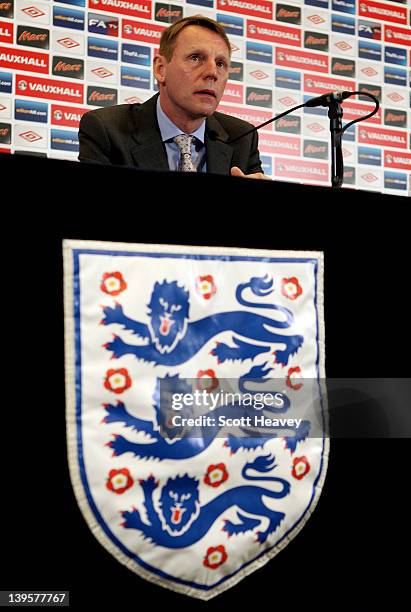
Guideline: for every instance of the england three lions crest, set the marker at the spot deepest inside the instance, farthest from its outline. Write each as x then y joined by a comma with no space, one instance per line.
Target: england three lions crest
193,499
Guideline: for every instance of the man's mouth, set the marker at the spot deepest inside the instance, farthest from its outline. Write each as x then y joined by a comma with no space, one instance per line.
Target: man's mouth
206,92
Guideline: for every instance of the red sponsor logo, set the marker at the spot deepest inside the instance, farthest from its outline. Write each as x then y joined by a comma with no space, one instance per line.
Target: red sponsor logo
254,116
138,8
69,116
24,60
380,136
323,84
299,169
400,36
146,32
354,110
2,150
393,159
279,144
233,93
385,12
304,60
274,33
37,87
255,8
33,12
6,32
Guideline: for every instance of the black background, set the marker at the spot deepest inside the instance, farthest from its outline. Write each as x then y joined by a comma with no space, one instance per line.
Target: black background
351,552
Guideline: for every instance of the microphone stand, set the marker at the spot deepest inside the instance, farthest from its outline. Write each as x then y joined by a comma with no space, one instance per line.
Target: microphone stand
335,114
333,102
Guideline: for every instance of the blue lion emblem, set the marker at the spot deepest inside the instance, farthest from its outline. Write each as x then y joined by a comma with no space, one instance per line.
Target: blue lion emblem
187,445
171,339
181,520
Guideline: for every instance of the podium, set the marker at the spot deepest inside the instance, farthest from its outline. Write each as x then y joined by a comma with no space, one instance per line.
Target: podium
365,239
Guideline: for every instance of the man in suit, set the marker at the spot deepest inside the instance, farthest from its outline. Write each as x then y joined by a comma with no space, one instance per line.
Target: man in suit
177,129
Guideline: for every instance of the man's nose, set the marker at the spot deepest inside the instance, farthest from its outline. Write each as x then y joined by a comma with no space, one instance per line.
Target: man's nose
211,69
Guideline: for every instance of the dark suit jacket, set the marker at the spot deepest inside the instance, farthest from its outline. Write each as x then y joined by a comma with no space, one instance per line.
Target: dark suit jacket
128,135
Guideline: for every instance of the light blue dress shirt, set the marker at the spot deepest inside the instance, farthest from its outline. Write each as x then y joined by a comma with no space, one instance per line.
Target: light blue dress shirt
169,130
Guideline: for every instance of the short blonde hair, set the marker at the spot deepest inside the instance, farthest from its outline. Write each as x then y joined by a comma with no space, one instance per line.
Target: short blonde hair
169,35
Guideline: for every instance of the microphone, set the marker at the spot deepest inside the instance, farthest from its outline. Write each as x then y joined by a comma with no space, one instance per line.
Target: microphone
328,98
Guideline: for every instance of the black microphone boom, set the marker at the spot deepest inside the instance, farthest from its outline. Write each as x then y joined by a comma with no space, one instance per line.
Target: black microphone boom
332,100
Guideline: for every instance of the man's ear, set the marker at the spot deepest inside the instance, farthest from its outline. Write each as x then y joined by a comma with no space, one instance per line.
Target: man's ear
159,69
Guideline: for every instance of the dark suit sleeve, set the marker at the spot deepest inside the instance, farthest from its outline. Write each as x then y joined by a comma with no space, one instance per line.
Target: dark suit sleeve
94,141
254,161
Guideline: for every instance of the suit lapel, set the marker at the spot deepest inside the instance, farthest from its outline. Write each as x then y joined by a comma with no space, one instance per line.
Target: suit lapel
148,150
219,153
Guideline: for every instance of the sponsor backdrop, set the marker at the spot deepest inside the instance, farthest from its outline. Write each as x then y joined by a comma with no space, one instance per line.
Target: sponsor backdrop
60,58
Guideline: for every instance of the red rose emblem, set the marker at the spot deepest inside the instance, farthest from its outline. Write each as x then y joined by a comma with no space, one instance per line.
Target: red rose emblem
216,556
208,381
216,475
205,286
291,288
293,375
301,467
117,381
119,481
113,283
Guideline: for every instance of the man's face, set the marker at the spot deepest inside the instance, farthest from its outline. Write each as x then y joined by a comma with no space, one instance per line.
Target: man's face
193,81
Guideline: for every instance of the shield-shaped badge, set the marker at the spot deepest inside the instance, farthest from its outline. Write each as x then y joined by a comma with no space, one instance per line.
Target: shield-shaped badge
193,501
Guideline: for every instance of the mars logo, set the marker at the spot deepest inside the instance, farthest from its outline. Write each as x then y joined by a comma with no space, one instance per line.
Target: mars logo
343,67
32,37
167,12
373,90
67,67
5,133
289,14
99,96
259,97
6,10
395,118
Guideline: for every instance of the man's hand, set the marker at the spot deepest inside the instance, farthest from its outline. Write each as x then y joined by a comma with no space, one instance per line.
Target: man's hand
235,171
